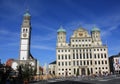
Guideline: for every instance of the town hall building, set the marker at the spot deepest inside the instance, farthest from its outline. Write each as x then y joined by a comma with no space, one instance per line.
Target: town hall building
85,54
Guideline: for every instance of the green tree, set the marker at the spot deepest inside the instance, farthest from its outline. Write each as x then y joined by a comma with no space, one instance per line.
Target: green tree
26,71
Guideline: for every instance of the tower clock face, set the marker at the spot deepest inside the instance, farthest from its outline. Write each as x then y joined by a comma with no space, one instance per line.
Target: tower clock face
24,35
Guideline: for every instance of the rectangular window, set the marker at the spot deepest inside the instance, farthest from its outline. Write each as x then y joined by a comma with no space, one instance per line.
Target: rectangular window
95,62
91,62
81,63
99,62
87,62
73,56
69,56
83,55
87,55
69,63
94,55
105,62
84,63
74,71
91,70
90,55
58,63
62,57
77,55
65,56
58,56
98,56
102,62
105,55
101,55
77,63
73,63
66,63
62,63
80,56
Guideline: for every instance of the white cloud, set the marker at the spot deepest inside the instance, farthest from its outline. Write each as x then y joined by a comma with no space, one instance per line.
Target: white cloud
43,47
4,32
44,37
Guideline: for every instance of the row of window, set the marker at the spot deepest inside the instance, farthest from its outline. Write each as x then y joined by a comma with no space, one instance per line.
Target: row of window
83,45
82,63
63,50
89,71
96,68
98,49
102,55
64,57
82,40
84,50
99,68
83,70
64,63
65,69
66,74
100,62
82,55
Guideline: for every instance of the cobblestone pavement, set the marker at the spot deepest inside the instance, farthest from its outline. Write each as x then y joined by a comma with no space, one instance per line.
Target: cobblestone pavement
113,79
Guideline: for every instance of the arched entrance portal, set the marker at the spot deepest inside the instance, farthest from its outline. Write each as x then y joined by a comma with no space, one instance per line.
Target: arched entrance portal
83,71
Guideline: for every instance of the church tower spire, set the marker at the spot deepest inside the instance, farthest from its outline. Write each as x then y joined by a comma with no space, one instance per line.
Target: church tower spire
25,57
25,37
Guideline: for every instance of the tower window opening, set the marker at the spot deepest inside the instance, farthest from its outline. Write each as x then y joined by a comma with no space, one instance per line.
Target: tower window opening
23,30
26,30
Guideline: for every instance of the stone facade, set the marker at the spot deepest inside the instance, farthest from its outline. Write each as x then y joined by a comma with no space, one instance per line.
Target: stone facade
83,55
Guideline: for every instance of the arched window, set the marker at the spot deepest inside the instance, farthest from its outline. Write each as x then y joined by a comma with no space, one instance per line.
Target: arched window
23,30
26,30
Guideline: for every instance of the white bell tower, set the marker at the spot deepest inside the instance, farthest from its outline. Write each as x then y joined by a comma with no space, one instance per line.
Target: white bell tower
25,57
25,37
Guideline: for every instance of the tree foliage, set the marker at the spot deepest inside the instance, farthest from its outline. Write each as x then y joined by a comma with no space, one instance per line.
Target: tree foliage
26,71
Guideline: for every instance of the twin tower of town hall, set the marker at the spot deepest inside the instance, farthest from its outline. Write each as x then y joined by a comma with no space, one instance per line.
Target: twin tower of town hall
84,55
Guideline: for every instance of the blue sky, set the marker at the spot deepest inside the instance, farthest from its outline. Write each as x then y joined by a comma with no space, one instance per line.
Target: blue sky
48,16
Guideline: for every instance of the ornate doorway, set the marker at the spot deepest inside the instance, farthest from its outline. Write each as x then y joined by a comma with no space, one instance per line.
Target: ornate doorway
83,71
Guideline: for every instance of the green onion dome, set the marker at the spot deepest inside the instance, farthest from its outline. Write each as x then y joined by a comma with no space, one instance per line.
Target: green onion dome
61,29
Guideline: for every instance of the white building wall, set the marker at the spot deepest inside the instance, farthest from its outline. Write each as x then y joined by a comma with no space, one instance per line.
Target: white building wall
84,49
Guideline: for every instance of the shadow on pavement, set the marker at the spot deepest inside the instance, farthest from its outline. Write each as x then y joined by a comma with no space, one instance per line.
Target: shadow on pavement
69,82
